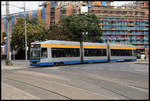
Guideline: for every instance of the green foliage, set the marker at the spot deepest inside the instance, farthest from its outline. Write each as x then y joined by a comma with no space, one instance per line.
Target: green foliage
8,62
56,32
35,30
82,27
78,27
4,34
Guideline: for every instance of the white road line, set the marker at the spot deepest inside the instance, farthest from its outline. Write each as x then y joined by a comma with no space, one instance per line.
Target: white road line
46,75
11,92
117,81
143,90
84,90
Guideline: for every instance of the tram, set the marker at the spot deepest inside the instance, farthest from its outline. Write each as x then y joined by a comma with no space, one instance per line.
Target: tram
53,52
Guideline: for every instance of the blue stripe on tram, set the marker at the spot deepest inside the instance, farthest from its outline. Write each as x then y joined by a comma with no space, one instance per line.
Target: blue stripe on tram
75,62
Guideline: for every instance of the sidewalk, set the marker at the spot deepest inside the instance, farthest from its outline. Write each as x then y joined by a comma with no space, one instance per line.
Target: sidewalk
142,61
14,93
17,64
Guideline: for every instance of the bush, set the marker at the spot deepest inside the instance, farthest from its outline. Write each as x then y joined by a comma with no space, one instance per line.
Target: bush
7,62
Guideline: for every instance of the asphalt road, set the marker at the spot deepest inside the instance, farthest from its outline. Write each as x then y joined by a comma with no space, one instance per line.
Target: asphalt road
84,81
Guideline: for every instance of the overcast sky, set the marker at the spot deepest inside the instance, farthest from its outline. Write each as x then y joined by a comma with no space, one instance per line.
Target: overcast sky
14,6
33,5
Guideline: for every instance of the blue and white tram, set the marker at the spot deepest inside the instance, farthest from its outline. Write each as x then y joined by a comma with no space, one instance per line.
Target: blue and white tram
54,52
122,52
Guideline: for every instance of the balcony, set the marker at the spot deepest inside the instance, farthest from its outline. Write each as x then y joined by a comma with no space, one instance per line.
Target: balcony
146,42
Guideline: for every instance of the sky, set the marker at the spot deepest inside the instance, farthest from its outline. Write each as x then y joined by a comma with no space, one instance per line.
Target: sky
14,6
33,5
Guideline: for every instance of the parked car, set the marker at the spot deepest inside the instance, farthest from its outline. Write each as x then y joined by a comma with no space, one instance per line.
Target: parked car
142,56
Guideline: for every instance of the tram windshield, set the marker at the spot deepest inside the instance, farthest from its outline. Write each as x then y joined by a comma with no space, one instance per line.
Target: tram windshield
35,53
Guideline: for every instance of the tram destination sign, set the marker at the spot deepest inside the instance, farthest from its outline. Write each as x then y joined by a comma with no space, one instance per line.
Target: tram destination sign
35,45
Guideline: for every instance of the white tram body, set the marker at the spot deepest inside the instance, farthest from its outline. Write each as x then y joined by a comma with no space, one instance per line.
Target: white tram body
54,52
122,52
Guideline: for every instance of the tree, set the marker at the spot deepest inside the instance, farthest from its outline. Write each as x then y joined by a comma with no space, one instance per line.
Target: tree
35,32
56,32
3,36
81,27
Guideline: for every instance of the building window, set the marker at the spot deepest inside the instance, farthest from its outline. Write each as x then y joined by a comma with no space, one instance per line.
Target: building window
63,11
136,13
142,13
124,12
52,10
52,14
74,11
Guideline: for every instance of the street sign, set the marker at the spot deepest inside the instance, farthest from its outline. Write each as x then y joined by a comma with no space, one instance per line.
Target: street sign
84,9
5,49
145,46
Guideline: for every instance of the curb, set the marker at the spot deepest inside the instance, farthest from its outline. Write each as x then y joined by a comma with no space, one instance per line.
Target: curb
15,65
142,63
4,67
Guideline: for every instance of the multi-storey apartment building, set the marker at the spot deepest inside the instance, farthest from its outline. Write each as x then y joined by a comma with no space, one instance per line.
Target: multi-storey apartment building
127,24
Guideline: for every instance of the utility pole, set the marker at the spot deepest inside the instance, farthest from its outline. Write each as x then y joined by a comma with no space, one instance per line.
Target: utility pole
108,50
8,60
26,53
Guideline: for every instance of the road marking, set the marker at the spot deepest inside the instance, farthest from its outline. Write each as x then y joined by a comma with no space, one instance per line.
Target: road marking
46,75
141,89
44,67
117,81
84,91
15,93
12,67
70,91
104,78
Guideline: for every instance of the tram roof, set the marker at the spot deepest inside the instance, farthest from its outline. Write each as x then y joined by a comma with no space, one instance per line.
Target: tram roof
77,43
67,42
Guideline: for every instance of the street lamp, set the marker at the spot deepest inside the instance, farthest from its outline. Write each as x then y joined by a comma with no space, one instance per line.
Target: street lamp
8,61
26,50
43,4
108,49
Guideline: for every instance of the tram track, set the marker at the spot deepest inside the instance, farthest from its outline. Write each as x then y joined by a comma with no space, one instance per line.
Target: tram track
76,93
29,84
101,83
107,89
115,93
83,80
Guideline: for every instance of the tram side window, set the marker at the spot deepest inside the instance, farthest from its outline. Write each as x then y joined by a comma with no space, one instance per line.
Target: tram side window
65,52
57,52
120,52
94,52
43,52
